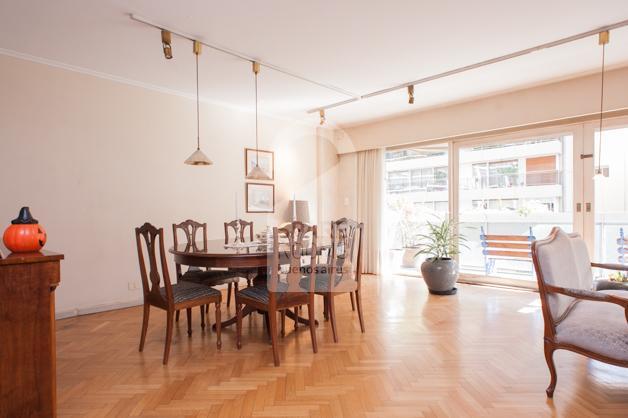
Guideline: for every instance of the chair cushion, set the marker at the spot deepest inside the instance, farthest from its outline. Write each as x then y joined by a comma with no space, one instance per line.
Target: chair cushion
210,277
322,284
260,293
600,327
183,292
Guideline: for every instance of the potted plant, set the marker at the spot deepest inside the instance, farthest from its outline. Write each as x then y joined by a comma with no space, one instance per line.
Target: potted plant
440,244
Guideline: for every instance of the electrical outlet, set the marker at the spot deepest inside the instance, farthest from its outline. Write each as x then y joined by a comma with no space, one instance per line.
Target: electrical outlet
133,286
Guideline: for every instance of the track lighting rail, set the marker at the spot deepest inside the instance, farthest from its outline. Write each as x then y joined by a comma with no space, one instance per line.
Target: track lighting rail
240,55
506,57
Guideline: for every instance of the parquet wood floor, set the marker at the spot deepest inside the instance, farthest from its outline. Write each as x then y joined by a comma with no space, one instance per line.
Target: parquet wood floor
476,354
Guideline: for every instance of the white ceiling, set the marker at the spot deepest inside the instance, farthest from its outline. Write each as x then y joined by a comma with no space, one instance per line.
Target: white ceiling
356,45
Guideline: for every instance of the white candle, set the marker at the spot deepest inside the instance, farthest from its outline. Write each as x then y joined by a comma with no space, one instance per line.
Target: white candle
294,207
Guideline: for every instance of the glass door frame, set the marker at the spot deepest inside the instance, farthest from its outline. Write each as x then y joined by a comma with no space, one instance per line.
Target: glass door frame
576,130
589,129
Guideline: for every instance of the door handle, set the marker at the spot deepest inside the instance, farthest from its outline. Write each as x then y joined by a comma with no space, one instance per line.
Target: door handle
578,207
588,206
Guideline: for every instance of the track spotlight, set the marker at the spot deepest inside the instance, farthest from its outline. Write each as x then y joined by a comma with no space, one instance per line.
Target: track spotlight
411,94
166,43
322,115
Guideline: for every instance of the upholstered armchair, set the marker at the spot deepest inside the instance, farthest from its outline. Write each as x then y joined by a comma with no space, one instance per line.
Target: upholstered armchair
578,319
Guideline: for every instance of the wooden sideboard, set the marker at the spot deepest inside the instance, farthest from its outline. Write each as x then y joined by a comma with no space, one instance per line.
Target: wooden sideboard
27,333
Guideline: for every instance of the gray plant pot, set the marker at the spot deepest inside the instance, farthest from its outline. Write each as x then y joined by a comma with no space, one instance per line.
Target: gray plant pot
440,275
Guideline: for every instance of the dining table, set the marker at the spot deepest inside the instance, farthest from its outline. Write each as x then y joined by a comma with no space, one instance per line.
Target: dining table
249,255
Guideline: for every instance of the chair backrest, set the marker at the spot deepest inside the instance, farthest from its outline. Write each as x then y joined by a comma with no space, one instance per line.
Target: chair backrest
290,254
190,228
515,246
234,225
345,258
153,239
561,260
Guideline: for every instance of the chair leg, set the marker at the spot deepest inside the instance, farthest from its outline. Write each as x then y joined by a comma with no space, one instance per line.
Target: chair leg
358,301
266,323
325,309
310,313
272,322
229,295
283,323
296,315
238,324
549,358
352,301
188,311
144,325
202,308
218,337
332,316
169,325
178,312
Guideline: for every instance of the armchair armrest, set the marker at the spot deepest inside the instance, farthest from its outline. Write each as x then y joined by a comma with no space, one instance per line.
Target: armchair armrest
610,266
590,295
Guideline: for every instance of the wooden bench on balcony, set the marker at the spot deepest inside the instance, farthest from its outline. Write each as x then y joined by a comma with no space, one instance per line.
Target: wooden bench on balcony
505,247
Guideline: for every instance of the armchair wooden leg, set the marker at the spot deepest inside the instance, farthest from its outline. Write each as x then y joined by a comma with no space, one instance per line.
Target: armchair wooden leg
169,325
218,337
352,301
312,319
332,316
229,295
188,311
238,324
549,358
144,325
272,322
202,308
358,301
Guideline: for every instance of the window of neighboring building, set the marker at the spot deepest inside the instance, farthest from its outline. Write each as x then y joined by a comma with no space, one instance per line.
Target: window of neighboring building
541,171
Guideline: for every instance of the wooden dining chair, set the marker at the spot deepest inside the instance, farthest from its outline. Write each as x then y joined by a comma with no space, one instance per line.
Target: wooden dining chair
207,277
170,297
344,266
283,290
246,273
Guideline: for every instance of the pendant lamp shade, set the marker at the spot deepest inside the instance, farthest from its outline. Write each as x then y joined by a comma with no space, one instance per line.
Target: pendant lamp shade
256,172
198,157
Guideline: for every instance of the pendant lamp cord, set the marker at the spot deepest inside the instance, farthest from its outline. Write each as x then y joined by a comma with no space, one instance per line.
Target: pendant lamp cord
198,124
256,131
599,154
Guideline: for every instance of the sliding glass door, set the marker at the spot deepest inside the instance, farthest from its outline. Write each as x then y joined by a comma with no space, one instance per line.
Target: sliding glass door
510,192
416,191
609,212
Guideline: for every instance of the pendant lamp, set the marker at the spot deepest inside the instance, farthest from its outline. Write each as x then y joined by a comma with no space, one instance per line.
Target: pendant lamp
198,157
603,40
256,172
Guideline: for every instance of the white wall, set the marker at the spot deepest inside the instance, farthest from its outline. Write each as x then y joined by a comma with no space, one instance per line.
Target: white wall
95,158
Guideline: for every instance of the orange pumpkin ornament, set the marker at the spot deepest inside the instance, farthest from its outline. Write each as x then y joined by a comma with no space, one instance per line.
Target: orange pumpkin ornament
24,234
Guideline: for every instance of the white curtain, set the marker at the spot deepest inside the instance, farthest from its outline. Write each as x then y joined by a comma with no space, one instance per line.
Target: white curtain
370,176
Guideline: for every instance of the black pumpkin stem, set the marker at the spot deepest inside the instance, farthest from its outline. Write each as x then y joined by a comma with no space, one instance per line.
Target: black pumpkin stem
24,218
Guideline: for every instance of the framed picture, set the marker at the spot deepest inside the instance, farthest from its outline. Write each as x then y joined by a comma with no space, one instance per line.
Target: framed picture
260,197
266,161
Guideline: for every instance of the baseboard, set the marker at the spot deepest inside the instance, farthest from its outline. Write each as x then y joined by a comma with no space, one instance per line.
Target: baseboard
97,308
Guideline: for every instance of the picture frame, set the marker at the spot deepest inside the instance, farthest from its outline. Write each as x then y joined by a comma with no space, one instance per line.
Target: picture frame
260,198
266,161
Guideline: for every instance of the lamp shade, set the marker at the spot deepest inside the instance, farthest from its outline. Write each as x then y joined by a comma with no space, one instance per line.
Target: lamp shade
299,210
198,157
257,174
